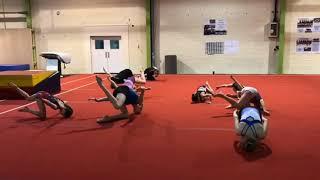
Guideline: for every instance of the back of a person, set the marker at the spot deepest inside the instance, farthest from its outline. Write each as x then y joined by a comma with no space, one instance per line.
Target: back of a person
251,124
250,89
256,96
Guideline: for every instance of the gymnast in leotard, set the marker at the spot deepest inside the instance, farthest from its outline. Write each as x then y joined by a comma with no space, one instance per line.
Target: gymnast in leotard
43,98
123,95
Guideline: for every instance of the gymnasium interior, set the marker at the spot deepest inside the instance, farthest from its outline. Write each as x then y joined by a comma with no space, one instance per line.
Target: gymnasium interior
62,46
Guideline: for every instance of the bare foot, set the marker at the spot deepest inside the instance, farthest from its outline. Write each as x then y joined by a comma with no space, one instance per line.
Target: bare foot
92,99
104,119
229,107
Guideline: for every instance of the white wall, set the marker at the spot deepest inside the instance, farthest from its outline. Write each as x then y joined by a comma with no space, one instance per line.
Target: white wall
16,46
15,39
181,33
300,63
79,19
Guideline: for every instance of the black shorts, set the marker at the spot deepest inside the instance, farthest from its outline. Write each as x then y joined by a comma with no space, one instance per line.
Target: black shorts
131,96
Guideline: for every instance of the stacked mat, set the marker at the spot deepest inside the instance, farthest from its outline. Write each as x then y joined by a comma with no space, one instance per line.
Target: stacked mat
31,81
14,67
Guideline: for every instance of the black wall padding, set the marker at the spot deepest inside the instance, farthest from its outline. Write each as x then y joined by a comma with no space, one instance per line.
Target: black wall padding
171,64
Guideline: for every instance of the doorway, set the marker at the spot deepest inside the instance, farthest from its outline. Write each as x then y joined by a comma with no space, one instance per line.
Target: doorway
108,52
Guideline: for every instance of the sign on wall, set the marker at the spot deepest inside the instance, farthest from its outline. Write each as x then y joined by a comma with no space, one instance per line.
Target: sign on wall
308,45
215,27
308,25
226,47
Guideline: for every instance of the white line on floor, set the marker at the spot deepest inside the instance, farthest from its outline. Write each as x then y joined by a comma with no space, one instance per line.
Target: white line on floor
77,80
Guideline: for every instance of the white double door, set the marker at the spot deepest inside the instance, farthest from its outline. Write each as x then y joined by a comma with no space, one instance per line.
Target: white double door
108,52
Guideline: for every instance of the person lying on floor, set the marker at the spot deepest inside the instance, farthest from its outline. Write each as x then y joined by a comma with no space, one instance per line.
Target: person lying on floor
236,86
128,74
251,126
248,97
151,73
203,94
128,82
122,96
43,98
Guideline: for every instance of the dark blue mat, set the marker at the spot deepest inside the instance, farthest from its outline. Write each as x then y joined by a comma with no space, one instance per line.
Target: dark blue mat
14,67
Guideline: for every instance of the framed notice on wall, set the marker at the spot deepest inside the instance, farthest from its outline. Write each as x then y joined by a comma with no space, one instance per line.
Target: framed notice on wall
308,25
308,45
215,27
226,47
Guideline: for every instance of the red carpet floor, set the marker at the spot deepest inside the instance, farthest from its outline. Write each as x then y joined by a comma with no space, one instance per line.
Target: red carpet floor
172,139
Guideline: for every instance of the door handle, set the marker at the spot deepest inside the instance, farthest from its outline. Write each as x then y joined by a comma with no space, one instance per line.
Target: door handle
107,55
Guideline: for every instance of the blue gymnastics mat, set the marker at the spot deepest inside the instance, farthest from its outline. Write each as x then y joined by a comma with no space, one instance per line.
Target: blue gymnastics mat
14,67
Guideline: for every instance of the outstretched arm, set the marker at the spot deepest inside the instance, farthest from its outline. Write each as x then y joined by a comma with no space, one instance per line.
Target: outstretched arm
265,111
223,86
236,122
141,78
99,99
107,73
209,88
232,95
265,127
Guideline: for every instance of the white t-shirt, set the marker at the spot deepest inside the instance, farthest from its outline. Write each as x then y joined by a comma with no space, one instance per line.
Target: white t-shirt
250,123
250,89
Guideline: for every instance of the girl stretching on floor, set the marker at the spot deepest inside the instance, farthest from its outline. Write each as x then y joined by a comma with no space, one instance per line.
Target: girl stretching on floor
43,98
203,94
251,126
122,96
249,121
130,81
127,74
249,96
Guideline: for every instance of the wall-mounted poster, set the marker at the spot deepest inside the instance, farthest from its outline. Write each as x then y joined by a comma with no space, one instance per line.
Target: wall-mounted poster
308,45
308,25
226,47
216,27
